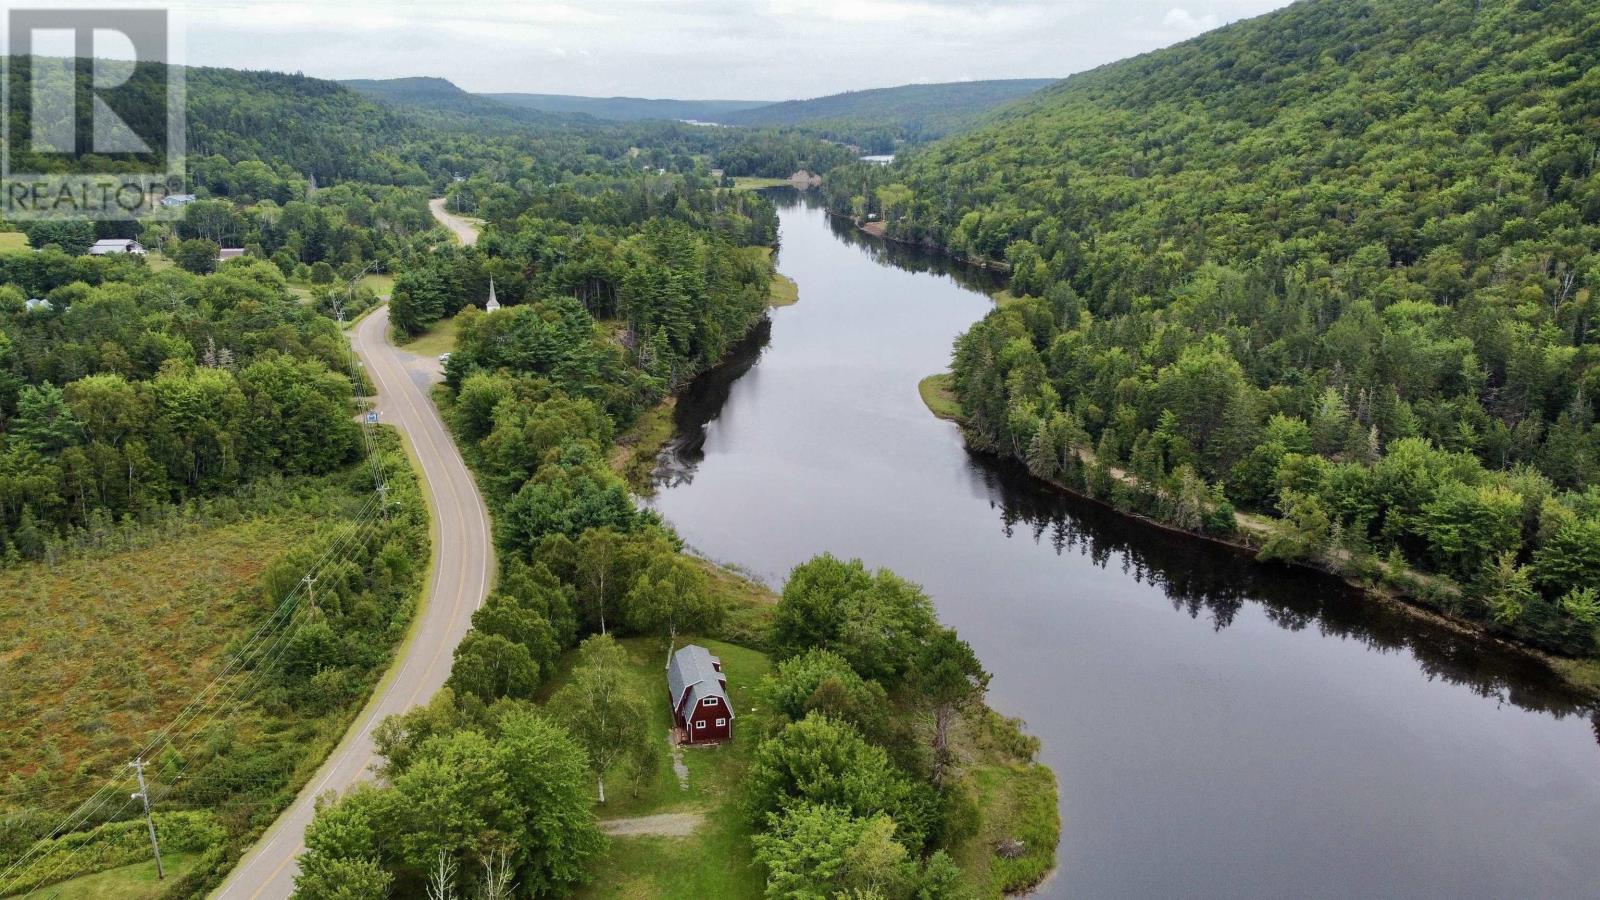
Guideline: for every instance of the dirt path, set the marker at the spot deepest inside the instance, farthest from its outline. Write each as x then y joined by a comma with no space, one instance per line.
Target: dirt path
663,825
679,768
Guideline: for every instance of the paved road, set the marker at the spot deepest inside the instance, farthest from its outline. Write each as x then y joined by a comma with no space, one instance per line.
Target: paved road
466,232
462,562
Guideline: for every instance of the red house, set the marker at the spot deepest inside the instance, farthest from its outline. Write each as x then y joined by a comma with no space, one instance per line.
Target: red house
699,690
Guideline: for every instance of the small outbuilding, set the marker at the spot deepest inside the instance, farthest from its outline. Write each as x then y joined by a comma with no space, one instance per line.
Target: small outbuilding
699,695
227,253
108,246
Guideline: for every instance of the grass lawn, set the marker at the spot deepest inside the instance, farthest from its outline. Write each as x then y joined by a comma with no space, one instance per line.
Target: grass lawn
677,868
158,261
382,285
941,399
751,183
135,882
439,338
12,241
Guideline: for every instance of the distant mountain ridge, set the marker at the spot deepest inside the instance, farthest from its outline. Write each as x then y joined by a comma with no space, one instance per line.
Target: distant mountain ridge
876,119
880,120
440,95
628,109
921,101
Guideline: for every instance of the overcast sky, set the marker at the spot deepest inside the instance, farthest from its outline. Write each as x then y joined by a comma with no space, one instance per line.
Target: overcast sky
699,49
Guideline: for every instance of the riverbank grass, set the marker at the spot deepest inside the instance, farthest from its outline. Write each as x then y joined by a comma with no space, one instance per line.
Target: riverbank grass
1013,846
938,393
633,456
784,292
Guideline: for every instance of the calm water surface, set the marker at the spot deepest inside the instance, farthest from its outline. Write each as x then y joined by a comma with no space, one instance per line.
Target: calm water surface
1220,728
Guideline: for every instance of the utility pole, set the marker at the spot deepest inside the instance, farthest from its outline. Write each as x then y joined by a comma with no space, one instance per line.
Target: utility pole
383,498
310,582
144,794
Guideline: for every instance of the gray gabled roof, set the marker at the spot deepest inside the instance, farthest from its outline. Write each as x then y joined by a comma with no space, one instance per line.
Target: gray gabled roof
693,669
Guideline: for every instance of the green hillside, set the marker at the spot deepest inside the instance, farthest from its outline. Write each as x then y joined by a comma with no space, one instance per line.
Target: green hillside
881,118
443,98
628,109
1336,264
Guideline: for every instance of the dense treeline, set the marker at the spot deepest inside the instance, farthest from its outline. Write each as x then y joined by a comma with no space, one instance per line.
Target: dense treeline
1336,264
847,793
120,397
346,225
327,184
649,142
647,280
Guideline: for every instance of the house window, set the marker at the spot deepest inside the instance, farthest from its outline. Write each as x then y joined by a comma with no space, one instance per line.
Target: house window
721,722
700,724
709,701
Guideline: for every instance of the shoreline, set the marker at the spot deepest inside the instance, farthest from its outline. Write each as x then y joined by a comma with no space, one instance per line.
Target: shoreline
633,456
867,228
1580,675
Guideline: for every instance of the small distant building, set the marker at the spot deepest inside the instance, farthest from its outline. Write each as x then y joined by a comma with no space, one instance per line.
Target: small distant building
34,303
699,695
492,305
227,253
174,200
109,246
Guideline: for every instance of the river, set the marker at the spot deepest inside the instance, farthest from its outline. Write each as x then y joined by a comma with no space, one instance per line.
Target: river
1219,727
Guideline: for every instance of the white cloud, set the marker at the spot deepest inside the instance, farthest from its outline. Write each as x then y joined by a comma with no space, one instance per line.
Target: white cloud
1181,20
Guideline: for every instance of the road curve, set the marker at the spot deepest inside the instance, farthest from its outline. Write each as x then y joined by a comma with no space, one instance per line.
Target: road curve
465,231
462,564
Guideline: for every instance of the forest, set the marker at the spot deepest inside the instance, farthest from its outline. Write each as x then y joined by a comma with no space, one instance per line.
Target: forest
617,292
165,404
1334,265
134,393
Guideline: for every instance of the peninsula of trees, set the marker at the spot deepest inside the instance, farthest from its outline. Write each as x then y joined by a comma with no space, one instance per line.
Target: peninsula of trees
1335,265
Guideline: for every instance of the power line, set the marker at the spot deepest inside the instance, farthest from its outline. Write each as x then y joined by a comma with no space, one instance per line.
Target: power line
279,627
284,612
144,795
